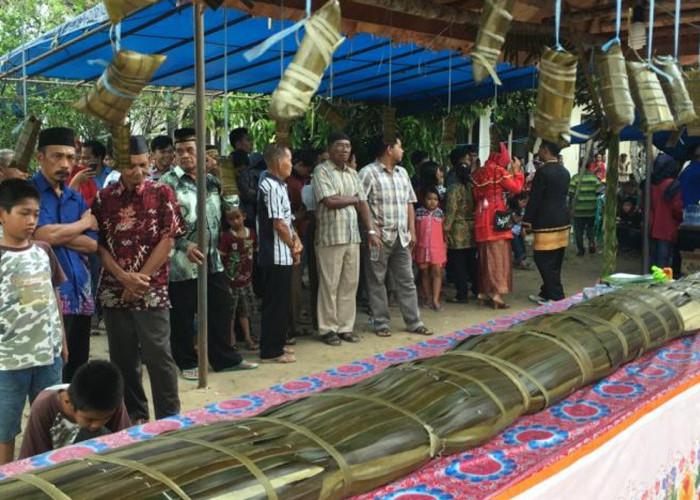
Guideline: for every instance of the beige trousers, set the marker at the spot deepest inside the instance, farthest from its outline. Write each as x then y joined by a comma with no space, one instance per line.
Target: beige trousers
338,277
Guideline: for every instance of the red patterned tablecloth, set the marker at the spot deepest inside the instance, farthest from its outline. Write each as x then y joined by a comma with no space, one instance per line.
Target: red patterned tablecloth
535,446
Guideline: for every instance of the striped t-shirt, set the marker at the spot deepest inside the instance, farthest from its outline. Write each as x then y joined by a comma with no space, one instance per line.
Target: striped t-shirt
585,203
273,203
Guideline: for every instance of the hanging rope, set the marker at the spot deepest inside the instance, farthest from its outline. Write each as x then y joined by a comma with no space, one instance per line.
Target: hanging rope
618,19
677,29
449,86
226,124
557,26
650,44
263,47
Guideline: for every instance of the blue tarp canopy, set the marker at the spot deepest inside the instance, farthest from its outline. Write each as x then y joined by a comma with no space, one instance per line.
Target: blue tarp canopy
360,69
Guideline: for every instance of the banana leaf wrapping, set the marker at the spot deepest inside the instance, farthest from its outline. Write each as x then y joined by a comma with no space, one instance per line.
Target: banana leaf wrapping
388,124
493,27
26,144
614,88
692,83
121,82
649,98
404,415
119,9
676,92
121,147
449,131
555,96
283,131
303,76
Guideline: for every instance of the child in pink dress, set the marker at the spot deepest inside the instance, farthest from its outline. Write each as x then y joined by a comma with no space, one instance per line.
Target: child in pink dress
430,252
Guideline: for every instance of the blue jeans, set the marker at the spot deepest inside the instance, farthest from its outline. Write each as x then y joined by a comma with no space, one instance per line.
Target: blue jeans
661,253
518,244
16,386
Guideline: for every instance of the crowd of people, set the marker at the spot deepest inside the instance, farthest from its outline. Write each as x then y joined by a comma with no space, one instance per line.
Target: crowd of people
83,243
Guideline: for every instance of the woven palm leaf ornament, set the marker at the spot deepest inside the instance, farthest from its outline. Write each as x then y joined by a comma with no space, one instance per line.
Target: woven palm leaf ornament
283,131
648,95
674,88
692,82
331,114
26,144
493,27
121,150
555,91
346,441
117,10
614,84
302,77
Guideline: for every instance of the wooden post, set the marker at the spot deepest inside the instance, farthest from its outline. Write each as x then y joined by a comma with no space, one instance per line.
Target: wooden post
646,255
610,213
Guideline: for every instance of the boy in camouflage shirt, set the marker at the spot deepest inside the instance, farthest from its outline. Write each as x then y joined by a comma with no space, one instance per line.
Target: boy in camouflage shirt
32,343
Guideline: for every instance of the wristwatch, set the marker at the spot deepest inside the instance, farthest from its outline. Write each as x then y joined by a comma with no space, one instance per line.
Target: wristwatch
372,232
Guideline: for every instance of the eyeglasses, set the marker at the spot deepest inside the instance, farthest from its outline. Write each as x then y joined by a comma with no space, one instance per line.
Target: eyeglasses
63,156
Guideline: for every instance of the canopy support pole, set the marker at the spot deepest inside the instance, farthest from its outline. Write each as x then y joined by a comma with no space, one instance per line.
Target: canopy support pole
200,108
610,212
647,203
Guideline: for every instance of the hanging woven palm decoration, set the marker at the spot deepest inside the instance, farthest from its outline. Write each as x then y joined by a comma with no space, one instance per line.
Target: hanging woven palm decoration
493,26
121,82
303,76
26,144
389,124
449,131
121,150
331,114
283,131
649,98
118,9
676,92
614,88
555,96
349,440
692,83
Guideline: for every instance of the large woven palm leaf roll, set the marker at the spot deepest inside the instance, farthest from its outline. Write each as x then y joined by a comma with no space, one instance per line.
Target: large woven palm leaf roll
555,96
350,440
493,27
614,87
649,98
692,83
676,91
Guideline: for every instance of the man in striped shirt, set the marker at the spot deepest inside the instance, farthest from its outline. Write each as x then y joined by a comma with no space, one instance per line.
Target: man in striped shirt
584,204
339,198
279,249
390,197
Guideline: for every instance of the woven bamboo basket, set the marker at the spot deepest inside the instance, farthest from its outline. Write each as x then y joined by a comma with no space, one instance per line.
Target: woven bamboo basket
121,147
345,441
303,75
449,131
26,144
676,92
388,124
119,9
114,92
692,83
649,98
555,96
614,88
493,27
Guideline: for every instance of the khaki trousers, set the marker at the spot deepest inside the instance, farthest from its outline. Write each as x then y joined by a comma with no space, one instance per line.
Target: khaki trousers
338,275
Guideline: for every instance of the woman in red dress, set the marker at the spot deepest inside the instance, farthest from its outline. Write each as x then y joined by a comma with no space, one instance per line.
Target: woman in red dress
494,248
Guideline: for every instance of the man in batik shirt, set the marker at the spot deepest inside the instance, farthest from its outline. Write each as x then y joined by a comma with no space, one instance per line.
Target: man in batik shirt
139,222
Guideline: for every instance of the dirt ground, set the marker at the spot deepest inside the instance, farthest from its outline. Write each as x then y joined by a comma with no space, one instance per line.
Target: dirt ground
313,356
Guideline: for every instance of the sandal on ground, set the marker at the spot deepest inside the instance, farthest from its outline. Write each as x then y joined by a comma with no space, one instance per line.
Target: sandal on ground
331,338
383,332
484,300
436,307
421,330
243,365
285,358
252,346
348,337
190,374
290,341
288,350
499,305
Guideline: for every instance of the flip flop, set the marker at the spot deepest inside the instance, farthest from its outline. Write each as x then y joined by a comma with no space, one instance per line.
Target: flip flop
383,332
332,339
421,330
243,365
190,374
285,358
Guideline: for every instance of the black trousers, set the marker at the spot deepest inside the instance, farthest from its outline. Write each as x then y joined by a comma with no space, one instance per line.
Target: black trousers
549,263
183,297
587,225
78,341
275,310
137,335
464,270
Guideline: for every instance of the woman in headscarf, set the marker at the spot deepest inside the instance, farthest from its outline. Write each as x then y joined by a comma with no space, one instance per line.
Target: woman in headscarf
666,210
493,241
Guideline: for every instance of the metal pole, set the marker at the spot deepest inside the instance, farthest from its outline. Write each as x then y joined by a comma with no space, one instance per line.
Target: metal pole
647,203
200,109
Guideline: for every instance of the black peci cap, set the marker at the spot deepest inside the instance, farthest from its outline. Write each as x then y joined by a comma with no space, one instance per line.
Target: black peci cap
185,135
138,145
56,136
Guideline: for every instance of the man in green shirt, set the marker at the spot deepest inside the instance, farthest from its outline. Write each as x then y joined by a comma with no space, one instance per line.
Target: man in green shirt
583,203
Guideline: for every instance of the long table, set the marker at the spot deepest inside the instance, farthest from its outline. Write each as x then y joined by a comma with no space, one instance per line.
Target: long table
633,435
